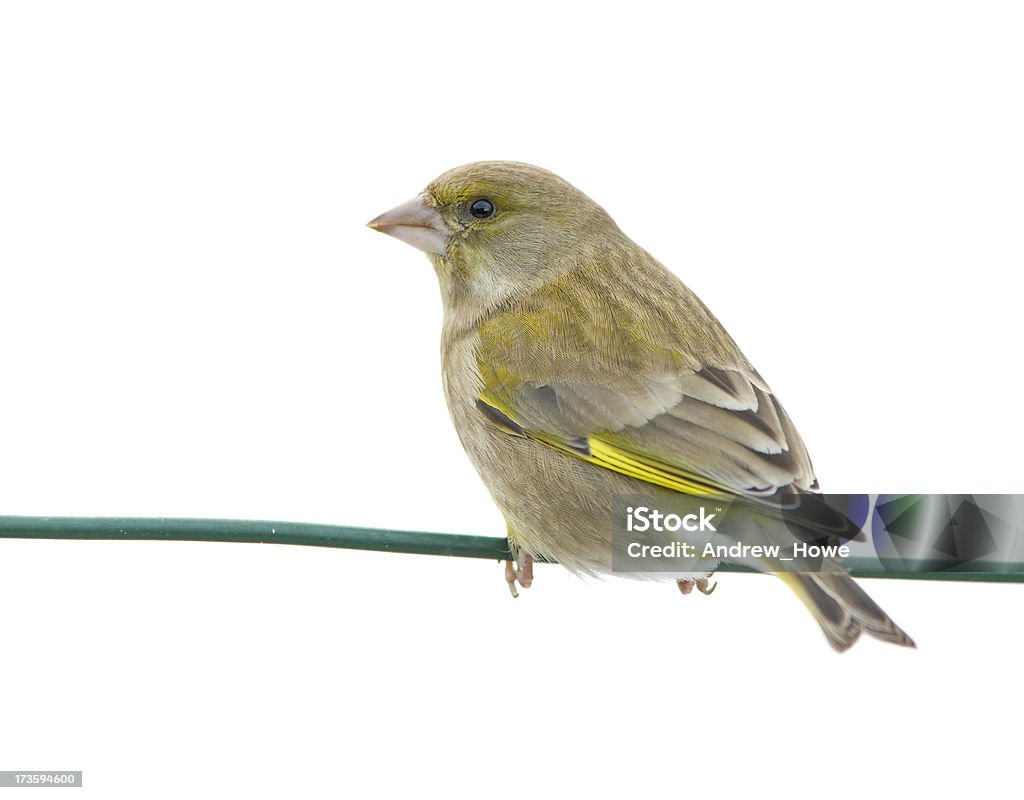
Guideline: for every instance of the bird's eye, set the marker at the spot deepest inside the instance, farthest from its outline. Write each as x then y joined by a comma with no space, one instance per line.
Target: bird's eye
482,208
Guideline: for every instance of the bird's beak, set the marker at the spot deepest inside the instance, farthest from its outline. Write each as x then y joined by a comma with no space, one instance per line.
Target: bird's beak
417,223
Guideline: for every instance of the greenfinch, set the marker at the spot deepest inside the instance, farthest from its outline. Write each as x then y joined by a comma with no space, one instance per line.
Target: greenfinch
577,370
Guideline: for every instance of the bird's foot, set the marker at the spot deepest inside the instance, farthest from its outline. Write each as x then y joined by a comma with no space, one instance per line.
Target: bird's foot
519,571
701,583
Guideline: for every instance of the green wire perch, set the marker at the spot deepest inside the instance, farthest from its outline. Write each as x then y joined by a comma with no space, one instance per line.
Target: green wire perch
383,540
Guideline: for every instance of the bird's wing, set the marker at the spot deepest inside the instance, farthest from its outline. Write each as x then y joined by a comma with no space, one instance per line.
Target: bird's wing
704,431
715,433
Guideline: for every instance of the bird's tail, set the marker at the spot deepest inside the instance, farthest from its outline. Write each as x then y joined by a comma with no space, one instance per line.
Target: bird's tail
843,609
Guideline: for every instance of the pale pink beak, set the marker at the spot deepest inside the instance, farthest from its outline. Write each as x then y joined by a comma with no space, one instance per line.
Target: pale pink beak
417,223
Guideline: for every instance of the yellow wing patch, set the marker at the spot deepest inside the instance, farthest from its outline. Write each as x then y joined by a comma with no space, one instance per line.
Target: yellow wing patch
651,470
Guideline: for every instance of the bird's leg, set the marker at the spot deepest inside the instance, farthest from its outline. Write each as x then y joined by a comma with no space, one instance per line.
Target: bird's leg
510,577
519,571
685,586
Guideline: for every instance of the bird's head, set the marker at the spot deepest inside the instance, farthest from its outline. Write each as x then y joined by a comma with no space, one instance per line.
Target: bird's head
496,228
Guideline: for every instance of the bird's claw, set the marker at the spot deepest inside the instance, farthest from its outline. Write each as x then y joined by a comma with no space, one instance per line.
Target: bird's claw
521,573
686,586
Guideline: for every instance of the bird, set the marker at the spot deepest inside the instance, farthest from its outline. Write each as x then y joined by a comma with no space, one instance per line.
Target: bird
579,370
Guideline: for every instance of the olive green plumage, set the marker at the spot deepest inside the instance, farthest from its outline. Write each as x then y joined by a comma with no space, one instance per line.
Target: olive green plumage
577,368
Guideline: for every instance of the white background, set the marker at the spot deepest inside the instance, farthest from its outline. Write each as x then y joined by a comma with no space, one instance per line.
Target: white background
194,322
